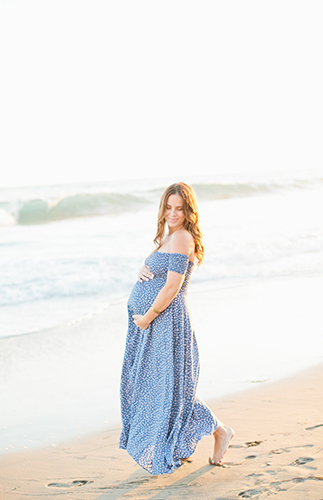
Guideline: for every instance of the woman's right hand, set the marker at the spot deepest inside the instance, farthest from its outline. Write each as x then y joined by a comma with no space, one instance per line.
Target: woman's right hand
145,274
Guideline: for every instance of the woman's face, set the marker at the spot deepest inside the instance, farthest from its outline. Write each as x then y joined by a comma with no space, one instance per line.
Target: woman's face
174,214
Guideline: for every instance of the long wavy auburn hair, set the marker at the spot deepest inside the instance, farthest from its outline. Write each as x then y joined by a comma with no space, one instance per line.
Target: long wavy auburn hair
191,222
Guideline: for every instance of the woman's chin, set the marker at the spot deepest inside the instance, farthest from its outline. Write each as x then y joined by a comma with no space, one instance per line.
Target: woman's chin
173,226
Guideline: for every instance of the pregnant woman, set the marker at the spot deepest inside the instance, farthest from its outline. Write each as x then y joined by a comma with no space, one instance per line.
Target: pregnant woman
162,418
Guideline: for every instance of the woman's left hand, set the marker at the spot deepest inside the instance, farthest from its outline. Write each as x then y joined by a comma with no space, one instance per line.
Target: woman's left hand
140,321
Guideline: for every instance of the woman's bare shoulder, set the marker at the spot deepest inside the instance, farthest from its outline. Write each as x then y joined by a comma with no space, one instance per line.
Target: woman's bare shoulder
182,234
181,241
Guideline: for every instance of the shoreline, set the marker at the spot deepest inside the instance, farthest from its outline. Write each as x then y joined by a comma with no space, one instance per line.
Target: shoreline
196,287
64,382
277,450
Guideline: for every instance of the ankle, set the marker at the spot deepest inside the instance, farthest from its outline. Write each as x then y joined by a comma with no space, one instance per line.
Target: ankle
219,430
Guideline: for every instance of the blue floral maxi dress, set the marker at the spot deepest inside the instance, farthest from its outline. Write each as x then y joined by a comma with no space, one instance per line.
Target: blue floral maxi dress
162,419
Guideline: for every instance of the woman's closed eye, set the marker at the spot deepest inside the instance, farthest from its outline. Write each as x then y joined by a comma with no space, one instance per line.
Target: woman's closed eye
177,208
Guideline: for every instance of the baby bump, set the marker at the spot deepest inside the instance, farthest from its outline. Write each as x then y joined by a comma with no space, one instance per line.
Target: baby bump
143,295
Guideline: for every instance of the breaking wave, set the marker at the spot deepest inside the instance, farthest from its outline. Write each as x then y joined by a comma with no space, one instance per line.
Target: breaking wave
48,209
218,191
40,211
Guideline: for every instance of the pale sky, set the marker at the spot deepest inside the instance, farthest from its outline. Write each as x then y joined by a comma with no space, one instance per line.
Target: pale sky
99,90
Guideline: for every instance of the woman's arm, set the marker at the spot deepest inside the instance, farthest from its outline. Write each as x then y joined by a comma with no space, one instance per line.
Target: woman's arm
163,299
181,242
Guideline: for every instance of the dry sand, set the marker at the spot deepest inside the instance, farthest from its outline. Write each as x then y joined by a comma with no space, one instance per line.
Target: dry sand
277,452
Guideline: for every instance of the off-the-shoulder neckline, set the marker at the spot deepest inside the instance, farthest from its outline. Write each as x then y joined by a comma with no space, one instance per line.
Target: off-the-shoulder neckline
174,253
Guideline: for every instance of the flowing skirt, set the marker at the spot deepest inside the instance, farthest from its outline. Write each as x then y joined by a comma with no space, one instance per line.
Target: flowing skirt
162,417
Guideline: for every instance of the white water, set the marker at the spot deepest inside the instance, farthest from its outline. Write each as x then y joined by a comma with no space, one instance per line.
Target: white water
58,271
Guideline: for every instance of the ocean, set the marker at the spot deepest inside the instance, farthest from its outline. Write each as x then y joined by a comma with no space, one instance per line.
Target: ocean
70,254
69,251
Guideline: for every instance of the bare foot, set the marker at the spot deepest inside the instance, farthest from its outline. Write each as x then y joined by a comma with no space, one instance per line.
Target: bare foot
222,438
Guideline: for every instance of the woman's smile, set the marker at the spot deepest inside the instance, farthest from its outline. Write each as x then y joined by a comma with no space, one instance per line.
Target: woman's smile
174,214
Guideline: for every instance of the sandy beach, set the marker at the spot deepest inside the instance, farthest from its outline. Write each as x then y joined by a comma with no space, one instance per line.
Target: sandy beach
277,452
62,400
104,105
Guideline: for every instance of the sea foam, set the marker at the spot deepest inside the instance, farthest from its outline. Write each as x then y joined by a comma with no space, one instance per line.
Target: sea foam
79,247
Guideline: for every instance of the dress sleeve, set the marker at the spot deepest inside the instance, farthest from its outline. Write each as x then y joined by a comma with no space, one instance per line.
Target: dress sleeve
178,262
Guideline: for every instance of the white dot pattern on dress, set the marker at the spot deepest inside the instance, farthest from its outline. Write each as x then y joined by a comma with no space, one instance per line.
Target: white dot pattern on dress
162,418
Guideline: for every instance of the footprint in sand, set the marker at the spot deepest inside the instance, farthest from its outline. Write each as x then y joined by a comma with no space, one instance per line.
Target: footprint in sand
251,493
69,485
303,460
313,427
246,445
276,487
253,443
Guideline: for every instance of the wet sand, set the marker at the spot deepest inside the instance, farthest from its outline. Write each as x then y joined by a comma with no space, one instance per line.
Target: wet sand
62,384
277,452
